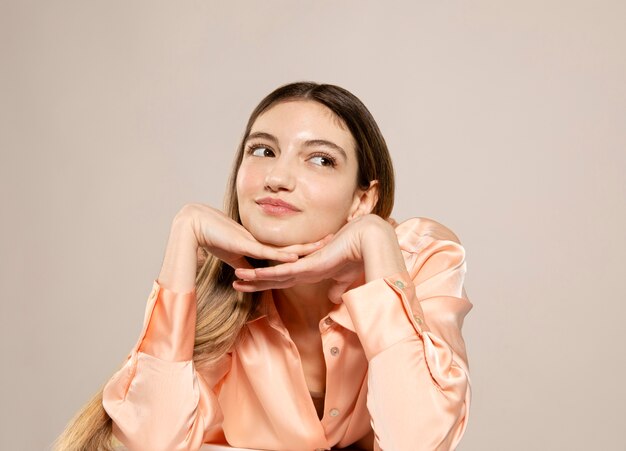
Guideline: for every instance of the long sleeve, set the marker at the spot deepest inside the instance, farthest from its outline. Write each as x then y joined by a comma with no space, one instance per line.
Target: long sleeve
409,325
157,400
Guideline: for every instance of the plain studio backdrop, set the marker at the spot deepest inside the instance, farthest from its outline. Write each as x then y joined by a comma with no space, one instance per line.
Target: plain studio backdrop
506,122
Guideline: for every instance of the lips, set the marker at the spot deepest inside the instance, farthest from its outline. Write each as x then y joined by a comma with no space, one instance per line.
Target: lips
276,204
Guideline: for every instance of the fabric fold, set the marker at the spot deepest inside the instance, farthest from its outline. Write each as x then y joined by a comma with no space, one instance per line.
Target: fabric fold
170,331
396,363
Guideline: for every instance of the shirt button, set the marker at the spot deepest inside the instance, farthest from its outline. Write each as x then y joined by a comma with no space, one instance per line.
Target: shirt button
418,320
328,321
153,293
333,412
399,284
334,350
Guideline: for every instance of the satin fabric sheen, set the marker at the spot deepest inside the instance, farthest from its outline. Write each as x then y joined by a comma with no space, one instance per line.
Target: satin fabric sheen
397,372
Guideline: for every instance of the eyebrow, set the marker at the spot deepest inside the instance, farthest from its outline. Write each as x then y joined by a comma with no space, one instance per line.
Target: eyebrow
309,142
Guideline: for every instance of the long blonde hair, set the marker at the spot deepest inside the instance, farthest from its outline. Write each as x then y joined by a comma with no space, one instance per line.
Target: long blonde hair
222,311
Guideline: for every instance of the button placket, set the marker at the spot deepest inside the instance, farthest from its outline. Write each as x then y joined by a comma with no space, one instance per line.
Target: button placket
332,343
326,324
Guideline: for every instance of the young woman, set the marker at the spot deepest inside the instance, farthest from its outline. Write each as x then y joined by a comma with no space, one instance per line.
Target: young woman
304,318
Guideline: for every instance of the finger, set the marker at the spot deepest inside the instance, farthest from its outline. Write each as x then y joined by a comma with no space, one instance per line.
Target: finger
240,263
308,248
245,273
325,240
303,249
337,290
251,286
264,252
301,268
249,274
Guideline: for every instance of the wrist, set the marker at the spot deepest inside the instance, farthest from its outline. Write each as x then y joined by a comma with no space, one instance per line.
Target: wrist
183,230
178,271
382,256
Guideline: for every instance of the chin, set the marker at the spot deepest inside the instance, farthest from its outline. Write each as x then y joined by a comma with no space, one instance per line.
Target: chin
280,237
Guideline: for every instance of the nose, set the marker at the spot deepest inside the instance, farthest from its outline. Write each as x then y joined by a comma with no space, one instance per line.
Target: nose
280,176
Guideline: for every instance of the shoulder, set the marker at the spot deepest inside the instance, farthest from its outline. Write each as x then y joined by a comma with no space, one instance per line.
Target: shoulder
422,227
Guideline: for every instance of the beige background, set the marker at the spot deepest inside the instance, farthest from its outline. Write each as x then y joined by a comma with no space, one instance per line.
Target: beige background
505,120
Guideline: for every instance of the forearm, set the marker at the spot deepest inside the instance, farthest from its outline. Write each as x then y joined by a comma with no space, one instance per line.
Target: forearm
418,396
178,272
418,392
418,389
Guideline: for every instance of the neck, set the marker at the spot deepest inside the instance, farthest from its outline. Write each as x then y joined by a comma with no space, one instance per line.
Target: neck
301,307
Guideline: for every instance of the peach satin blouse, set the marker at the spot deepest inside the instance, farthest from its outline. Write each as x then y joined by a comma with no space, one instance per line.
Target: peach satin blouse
397,372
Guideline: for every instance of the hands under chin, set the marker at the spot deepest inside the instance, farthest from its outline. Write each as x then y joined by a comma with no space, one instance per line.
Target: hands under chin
342,258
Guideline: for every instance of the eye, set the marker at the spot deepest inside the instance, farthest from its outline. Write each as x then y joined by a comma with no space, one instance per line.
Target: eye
259,150
323,160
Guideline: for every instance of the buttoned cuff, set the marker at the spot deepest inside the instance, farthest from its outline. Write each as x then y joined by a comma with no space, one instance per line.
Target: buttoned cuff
169,325
384,312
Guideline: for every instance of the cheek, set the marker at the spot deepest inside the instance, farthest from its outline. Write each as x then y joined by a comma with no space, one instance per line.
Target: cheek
249,184
242,187
331,199
247,180
239,185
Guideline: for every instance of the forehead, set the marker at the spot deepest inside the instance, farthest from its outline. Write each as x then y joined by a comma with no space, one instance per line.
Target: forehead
303,120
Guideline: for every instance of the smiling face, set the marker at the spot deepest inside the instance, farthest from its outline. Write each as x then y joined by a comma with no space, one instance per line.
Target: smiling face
298,178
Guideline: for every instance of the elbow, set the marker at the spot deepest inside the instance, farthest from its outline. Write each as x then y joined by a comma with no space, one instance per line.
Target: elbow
423,407
437,422
132,444
157,445
452,420
440,422
450,406
141,430
451,393
139,436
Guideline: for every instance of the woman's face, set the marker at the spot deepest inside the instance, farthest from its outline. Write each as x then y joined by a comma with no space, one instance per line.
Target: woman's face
297,152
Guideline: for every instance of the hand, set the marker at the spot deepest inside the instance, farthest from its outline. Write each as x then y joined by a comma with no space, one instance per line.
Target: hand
340,259
231,242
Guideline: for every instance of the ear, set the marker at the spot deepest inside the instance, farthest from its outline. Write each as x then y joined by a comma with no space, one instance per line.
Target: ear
364,201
